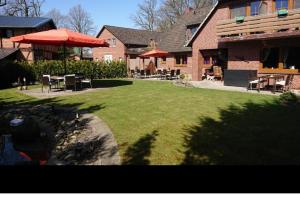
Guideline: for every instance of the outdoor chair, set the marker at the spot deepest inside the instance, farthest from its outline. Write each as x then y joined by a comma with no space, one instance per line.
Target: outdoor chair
46,81
172,75
148,73
218,74
159,73
164,74
70,80
178,72
285,85
132,73
86,81
142,74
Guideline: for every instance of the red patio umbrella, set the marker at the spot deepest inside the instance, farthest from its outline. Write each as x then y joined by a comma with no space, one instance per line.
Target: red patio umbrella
60,37
155,53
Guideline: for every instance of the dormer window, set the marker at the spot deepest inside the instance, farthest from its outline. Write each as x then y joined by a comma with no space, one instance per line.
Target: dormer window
191,30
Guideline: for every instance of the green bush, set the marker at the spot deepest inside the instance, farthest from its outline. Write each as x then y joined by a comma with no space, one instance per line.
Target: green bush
10,72
289,98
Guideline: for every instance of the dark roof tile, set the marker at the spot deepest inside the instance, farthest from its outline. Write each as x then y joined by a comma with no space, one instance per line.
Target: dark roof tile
129,36
23,22
5,52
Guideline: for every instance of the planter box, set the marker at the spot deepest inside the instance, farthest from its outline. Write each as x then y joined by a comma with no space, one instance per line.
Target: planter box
283,12
240,19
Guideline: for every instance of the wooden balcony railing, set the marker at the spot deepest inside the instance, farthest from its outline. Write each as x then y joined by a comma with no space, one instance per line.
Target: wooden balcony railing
259,25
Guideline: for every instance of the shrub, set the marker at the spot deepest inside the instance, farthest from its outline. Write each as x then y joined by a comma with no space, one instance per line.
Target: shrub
289,98
10,72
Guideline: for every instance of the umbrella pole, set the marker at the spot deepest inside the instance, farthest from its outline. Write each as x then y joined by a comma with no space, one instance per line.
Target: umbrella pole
65,61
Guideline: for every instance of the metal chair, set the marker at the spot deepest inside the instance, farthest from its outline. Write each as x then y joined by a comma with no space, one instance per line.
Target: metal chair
178,73
148,73
70,80
285,84
46,81
172,75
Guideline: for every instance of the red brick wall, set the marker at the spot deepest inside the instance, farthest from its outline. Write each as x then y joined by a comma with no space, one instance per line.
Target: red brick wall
244,56
117,52
171,63
207,39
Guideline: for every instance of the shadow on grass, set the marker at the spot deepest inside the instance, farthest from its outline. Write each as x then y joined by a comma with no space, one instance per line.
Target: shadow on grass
255,134
58,115
111,83
139,152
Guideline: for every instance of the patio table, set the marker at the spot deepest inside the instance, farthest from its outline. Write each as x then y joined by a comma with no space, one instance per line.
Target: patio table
275,78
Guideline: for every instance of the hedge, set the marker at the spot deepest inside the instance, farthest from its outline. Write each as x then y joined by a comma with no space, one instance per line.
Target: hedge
34,71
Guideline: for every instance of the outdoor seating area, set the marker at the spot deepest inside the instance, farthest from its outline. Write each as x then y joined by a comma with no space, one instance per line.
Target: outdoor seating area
273,83
72,81
160,74
213,74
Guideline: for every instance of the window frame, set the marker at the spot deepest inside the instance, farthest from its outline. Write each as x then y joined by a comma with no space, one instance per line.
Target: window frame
239,5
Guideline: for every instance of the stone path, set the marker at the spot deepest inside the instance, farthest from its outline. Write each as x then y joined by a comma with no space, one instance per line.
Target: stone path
37,93
217,85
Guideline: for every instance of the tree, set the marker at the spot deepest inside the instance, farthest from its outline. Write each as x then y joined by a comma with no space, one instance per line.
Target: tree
170,10
59,19
24,8
80,21
146,16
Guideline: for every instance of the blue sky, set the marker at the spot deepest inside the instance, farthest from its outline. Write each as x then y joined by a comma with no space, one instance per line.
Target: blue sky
112,12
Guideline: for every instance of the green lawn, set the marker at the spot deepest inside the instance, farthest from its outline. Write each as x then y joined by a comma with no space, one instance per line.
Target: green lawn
158,123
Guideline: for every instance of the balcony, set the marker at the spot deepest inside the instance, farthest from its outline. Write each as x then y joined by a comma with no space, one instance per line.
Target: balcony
260,27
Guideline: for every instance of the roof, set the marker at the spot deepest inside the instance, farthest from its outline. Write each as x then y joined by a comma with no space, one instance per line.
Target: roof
129,36
175,39
5,52
204,22
24,22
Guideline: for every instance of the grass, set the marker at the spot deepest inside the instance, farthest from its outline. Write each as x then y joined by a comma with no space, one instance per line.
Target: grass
159,124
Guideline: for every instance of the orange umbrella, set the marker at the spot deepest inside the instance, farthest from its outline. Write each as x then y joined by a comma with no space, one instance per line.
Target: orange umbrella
60,37
155,53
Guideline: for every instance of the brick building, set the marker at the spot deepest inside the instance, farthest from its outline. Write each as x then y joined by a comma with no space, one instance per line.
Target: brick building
14,26
128,44
254,35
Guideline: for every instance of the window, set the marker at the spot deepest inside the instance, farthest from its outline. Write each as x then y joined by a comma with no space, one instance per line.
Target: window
114,42
282,4
239,10
6,33
214,60
206,60
258,8
108,58
194,29
270,58
291,58
296,3
178,60
181,60
163,60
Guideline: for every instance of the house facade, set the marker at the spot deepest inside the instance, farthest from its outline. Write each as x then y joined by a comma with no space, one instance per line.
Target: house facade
125,44
129,44
250,35
11,26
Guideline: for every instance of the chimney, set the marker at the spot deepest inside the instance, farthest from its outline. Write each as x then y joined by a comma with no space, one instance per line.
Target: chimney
188,10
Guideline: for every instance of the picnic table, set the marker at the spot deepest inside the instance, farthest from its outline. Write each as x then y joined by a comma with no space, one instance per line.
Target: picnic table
268,78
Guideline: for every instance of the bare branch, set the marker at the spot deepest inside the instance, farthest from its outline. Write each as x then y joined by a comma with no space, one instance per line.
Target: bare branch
146,16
